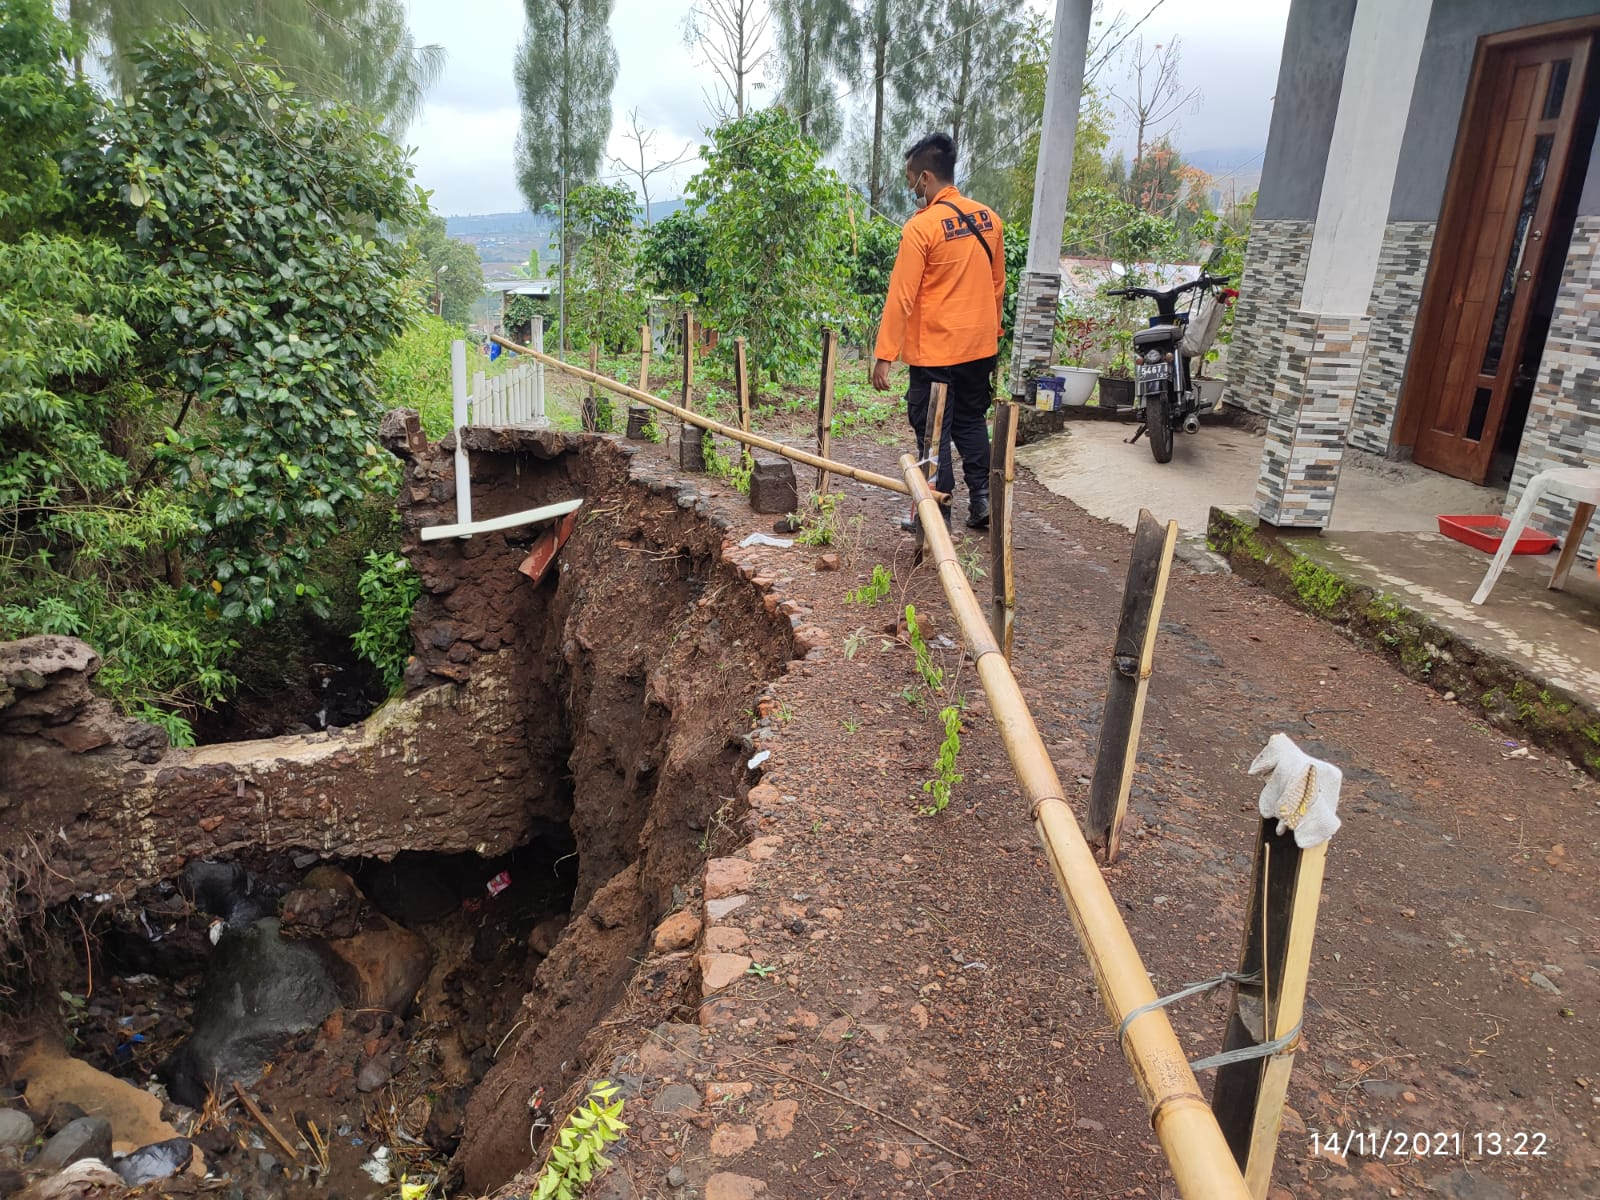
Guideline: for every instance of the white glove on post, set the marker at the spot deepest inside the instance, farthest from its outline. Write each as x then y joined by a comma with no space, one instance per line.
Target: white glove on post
1302,792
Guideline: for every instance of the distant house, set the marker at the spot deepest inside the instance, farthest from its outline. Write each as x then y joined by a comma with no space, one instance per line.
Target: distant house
1423,276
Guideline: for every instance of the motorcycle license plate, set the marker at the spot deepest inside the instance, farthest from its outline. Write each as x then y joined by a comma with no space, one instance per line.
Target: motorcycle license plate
1154,377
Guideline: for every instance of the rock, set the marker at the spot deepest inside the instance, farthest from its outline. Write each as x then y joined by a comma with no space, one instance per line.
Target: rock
320,910
717,909
776,1119
160,1160
762,848
546,934
44,680
726,939
374,1073
828,562
226,890
731,1140
727,876
1542,982
717,971
725,1185
676,1098
16,1128
11,1181
87,1137
389,964
675,1177
61,1085
444,1120
677,932
772,485
259,990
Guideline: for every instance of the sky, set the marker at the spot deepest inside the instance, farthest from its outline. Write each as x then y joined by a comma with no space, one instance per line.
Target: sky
465,140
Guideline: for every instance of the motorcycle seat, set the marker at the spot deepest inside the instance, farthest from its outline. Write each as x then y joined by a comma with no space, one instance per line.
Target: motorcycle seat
1158,335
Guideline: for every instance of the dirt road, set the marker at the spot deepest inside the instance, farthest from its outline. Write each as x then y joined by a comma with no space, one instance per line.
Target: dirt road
923,968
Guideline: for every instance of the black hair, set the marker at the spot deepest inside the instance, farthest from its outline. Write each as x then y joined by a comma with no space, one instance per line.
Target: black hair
935,152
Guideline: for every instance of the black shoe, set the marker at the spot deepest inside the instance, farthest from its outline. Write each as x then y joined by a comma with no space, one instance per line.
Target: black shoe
909,523
978,512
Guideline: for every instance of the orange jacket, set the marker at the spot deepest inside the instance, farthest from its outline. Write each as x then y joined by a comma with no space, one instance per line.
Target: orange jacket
945,296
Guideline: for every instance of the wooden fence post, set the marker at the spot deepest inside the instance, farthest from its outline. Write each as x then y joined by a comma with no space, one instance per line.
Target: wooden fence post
1002,478
1280,925
691,438
741,387
1132,660
931,431
830,355
591,404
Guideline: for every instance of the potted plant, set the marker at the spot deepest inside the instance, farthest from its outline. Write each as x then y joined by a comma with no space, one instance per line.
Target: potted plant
1116,346
1078,331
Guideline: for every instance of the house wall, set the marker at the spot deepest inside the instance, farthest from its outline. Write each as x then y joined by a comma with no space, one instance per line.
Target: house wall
1275,272
1310,76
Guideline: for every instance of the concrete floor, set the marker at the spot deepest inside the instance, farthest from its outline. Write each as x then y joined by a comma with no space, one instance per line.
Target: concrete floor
1090,465
1384,534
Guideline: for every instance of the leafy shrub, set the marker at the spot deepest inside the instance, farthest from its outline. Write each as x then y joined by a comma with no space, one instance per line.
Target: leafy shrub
414,372
389,588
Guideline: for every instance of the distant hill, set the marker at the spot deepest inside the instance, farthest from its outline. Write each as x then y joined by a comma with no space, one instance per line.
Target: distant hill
506,241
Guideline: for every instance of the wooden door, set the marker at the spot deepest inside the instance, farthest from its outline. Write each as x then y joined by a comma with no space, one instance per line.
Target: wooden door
1491,249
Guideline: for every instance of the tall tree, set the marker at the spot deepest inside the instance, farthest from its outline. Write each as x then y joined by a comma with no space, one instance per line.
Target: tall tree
449,271
644,150
1153,95
894,42
816,43
360,52
977,46
729,35
566,67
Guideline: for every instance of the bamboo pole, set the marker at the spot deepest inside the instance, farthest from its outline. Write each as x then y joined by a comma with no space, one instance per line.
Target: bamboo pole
830,355
1002,520
591,402
644,358
1184,1124
872,478
741,385
933,441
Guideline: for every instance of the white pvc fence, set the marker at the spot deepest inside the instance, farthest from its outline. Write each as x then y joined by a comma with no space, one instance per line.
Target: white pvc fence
513,397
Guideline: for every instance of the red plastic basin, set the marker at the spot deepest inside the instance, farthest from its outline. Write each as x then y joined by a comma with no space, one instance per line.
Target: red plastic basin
1485,533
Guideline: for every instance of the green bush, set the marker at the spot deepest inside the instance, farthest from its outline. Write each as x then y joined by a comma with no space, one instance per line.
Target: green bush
414,372
389,588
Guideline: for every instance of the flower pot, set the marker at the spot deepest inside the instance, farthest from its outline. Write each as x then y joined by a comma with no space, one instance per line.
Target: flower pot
1077,384
1209,392
1115,393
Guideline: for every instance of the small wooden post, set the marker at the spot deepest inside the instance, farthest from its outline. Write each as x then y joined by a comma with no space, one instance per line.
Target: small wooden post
591,402
830,355
932,439
1285,890
741,386
458,412
1002,481
1132,660
691,438
644,358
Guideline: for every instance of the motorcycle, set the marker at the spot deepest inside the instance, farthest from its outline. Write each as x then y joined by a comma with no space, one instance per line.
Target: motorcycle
1165,394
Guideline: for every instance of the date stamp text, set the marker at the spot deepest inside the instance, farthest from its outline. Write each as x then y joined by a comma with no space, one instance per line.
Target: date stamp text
1422,1143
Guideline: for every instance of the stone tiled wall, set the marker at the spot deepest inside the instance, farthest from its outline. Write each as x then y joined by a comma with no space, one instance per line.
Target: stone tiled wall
1313,398
1392,314
1274,273
1563,428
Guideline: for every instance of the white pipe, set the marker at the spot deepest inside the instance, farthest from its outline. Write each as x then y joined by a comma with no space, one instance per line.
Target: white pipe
434,533
458,398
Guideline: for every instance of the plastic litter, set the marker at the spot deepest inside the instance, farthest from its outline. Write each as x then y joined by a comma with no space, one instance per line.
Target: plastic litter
499,883
758,759
766,539
376,1168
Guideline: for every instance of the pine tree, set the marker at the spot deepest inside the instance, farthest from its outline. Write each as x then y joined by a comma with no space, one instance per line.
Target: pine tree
565,70
360,52
977,47
816,42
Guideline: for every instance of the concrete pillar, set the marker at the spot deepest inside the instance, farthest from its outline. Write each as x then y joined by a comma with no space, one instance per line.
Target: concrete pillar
1324,341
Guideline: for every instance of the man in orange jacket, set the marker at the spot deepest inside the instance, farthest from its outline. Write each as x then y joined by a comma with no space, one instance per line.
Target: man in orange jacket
942,316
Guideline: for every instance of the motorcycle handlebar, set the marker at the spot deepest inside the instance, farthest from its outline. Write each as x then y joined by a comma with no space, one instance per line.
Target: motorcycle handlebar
1173,293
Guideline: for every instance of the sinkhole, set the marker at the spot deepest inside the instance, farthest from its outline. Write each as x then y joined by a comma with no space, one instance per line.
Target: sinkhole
333,959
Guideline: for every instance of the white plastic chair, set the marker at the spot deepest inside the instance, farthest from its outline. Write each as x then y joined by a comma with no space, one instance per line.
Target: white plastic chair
1580,484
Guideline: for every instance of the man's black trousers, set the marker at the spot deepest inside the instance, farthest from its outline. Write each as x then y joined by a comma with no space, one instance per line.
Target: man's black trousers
969,389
